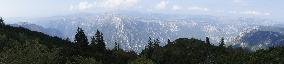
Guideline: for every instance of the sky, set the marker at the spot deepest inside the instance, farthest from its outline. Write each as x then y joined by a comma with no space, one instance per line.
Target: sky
40,8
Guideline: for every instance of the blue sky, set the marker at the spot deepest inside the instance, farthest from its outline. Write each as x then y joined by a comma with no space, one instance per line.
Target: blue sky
41,8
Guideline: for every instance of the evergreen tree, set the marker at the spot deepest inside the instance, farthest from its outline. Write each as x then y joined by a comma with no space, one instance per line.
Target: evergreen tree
169,41
116,47
156,43
150,44
93,42
81,41
1,21
207,40
222,44
67,39
142,60
98,41
149,48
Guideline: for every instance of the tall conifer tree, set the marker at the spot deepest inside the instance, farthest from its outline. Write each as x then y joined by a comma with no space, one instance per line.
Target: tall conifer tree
98,41
1,21
222,44
207,40
81,41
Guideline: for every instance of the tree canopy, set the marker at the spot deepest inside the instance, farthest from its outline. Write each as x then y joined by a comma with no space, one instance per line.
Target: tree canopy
20,45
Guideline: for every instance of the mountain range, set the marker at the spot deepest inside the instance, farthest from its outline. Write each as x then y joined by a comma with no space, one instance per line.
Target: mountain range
133,31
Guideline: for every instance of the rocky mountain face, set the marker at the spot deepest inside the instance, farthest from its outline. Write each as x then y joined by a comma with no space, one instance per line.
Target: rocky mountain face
133,31
261,38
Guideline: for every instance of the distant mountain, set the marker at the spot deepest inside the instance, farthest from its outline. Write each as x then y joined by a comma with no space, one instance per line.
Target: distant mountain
133,31
260,39
34,27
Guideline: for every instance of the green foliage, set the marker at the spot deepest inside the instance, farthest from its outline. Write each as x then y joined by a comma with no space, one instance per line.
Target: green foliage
169,41
122,57
142,60
22,46
271,56
222,44
149,49
207,40
157,43
116,46
30,52
150,44
81,40
193,51
19,45
1,22
98,42
82,60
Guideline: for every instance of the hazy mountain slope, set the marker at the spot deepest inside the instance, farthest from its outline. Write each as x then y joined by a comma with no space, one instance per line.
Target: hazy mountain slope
19,34
255,40
133,31
34,27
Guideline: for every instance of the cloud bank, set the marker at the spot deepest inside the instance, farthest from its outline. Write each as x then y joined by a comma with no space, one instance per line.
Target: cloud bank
161,5
104,4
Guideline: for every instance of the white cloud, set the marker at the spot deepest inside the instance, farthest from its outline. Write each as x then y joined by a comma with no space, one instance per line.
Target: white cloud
176,7
238,1
249,12
233,12
82,6
118,4
161,5
253,12
85,5
196,8
241,2
104,4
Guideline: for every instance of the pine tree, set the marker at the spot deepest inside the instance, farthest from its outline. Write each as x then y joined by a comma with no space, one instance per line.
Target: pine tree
67,39
169,42
98,42
207,40
116,47
93,41
222,44
157,43
149,48
150,44
2,21
81,41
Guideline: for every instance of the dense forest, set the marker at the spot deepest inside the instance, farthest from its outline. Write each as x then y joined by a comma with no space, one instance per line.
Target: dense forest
22,46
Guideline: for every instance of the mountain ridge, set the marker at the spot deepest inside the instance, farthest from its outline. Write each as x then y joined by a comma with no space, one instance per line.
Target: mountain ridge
134,30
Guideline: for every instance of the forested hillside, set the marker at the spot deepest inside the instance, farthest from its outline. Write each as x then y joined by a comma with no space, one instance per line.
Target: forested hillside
22,46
